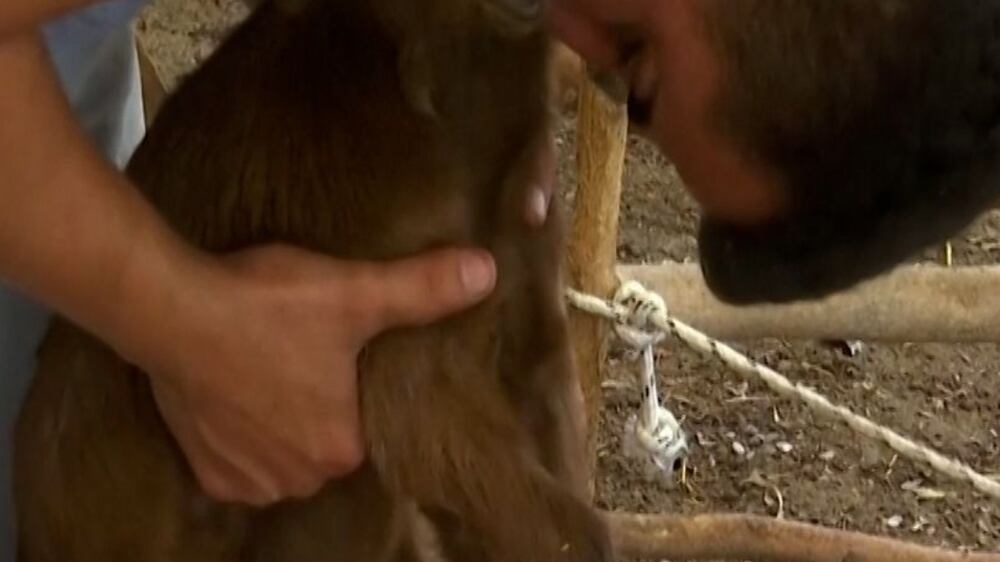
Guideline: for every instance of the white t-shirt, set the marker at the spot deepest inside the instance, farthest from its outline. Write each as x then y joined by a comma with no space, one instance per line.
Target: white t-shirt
99,75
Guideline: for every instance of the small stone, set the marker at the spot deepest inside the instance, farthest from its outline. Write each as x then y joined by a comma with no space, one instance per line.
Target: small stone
827,456
739,449
923,493
854,348
784,447
894,522
930,494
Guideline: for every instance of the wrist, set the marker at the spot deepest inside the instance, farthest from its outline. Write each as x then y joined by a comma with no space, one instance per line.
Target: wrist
153,298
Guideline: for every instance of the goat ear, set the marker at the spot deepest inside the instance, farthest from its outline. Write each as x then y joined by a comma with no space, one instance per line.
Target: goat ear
515,16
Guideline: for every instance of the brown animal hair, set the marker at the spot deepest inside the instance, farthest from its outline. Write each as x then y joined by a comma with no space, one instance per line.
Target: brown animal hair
363,129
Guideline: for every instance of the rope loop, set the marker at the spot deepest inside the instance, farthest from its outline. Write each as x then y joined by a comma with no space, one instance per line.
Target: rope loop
653,436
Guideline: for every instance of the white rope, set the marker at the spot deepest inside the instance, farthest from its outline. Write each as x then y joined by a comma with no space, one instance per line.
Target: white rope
663,322
653,436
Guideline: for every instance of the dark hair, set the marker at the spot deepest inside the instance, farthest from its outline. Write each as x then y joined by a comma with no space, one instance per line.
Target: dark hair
881,118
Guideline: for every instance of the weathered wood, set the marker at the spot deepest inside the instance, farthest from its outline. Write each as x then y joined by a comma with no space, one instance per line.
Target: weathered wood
566,75
761,539
153,91
602,129
920,303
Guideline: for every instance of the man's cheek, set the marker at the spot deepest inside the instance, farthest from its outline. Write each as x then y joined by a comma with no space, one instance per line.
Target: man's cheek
725,183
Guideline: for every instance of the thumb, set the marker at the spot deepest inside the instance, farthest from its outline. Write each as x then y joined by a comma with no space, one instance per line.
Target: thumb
421,289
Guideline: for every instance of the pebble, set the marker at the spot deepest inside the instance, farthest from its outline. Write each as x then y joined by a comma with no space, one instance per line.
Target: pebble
894,522
785,447
739,449
854,348
827,456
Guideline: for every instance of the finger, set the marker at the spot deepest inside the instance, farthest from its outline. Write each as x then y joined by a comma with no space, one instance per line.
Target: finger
293,469
345,436
419,290
255,460
540,196
218,478
333,444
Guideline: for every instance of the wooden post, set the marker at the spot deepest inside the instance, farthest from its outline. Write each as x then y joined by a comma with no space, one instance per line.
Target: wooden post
153,91
592,254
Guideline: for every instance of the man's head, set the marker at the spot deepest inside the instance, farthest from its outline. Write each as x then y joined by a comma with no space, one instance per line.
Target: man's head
827,140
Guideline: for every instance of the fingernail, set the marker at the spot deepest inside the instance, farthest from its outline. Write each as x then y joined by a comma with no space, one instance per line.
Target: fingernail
478,273
538,207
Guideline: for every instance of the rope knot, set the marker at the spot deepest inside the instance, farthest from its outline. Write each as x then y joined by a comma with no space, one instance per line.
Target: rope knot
661,446
654,435
641,311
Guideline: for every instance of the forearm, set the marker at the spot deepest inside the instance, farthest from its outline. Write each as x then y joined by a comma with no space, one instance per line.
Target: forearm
19,16
73,233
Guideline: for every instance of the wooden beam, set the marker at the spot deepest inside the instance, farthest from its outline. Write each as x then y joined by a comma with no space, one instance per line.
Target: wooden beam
153,91
921,303
715,537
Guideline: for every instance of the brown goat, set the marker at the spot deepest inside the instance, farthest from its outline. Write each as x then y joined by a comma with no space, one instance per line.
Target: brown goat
363,129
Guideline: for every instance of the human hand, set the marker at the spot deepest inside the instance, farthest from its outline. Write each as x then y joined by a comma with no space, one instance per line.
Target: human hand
540,195
254,371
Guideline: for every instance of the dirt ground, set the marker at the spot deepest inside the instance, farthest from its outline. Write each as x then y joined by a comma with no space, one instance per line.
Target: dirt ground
789,461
